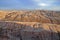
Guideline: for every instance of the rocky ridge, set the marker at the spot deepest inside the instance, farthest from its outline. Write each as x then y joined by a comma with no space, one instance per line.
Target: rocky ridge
30,25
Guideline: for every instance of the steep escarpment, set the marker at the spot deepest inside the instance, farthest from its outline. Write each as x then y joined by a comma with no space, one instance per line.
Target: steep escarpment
29,31
30,25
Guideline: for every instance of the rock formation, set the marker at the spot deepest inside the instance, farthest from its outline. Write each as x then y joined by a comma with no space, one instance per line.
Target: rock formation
30,25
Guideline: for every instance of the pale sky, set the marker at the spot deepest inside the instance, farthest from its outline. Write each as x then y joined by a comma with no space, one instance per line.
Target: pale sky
30,4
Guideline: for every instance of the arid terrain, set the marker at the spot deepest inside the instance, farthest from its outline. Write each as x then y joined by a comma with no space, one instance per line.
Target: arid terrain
30,25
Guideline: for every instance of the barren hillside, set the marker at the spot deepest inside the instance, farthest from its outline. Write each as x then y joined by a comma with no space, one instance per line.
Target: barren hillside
30,25
31,16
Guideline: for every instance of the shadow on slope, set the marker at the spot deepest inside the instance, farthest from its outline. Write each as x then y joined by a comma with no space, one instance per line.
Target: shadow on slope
14,31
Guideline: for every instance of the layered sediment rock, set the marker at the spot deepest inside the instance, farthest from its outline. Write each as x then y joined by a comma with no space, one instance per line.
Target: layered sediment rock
30,25
29,31
32,16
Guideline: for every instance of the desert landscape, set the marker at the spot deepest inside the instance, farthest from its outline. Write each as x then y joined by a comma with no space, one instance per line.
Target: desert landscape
29,25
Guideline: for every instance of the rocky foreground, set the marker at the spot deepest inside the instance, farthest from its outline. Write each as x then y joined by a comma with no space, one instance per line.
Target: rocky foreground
30,25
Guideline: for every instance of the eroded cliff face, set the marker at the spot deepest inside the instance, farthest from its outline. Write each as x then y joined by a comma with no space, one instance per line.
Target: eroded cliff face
31,16
29,31
29,25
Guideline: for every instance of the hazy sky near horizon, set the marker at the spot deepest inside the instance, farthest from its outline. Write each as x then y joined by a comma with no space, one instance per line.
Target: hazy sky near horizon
30,4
